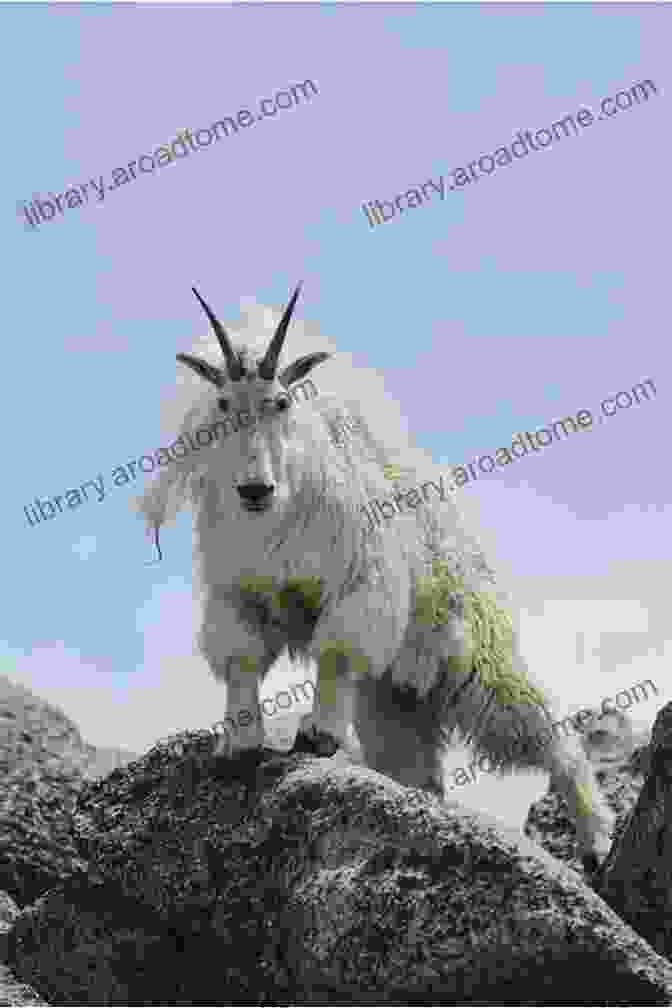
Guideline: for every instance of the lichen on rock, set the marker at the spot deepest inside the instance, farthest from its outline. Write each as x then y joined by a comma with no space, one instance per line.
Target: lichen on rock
291,880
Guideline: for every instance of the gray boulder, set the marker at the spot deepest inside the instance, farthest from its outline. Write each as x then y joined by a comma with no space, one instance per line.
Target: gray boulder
12,992
637,876
290,880
17,995
44,763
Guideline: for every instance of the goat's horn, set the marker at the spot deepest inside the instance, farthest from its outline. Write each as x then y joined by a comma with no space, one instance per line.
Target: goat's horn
269,364
232,362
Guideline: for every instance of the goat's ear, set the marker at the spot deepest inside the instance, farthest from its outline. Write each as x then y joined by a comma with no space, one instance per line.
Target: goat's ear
300,367
202,368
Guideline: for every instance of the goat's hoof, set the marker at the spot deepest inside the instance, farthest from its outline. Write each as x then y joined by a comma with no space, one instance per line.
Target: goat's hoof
317,743
224,750
593,865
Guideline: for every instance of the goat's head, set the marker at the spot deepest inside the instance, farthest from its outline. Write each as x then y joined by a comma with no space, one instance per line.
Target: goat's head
248,391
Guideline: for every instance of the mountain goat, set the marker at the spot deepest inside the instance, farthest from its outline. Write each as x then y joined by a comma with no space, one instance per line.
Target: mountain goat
407,627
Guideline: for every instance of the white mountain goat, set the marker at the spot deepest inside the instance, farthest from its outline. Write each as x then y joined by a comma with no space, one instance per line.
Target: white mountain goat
409,633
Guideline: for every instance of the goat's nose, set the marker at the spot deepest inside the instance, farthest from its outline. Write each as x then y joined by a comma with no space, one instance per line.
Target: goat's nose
255,493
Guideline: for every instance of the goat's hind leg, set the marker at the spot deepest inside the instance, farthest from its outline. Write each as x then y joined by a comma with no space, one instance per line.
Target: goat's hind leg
399,733
573,778
521,735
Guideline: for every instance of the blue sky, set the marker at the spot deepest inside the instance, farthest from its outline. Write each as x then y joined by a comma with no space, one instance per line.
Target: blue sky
528,295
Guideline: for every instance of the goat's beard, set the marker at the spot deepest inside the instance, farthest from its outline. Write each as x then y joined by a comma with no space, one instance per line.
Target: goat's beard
314,525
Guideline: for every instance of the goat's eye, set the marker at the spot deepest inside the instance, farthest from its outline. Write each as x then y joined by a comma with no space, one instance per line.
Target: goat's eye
223,404
283,403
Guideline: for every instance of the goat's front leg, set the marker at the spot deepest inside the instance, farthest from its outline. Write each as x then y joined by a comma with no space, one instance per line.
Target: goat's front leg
333,713
237,657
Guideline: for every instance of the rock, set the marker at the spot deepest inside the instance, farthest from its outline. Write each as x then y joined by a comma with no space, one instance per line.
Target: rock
36,833
14,994
8,910
11,991
40,770
637,875
291,880
44,763
102,760
8,914
33,731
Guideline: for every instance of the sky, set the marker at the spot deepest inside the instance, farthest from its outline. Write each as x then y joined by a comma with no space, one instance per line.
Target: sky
521,298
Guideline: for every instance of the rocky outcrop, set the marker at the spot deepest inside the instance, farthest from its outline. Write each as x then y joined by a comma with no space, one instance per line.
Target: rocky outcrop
12,992
184,879
292,880
8,914
637,876
102,760
44,763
